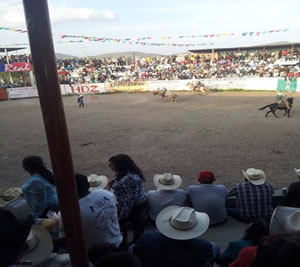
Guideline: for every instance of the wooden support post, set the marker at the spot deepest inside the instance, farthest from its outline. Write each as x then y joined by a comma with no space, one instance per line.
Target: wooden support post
44,62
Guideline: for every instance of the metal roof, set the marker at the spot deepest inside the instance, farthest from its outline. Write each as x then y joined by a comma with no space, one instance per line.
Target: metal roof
256,47
9,49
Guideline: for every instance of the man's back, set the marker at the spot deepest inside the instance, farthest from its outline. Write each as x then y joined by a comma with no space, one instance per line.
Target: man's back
156,250
99,218
253,201
160,199
209,198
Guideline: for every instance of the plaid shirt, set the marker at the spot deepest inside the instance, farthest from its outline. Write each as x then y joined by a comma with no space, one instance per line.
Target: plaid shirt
253,201
129,190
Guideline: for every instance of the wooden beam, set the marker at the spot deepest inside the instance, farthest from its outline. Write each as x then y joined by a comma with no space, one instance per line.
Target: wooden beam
44,62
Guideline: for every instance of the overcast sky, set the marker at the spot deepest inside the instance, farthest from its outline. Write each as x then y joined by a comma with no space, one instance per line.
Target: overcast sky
158,18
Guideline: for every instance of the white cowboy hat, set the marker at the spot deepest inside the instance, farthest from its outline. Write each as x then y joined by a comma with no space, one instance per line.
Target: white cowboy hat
167,181
97,181
181,223
255,176
285,220
40,245
12,193
297,171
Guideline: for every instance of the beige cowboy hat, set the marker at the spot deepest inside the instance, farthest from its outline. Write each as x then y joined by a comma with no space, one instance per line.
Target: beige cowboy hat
167,181
255,176
97,181
285,220
297,171
40,245
12,193
181,223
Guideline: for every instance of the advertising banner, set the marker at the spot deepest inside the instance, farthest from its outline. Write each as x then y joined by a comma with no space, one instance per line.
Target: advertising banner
88,88
15,67
127,86
22,92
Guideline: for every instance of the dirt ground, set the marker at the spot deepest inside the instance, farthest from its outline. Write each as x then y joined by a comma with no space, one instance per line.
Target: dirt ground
224,132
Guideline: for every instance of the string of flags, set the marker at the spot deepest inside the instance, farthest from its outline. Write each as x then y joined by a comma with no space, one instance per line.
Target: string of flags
213,35
132,42
243,34
147,41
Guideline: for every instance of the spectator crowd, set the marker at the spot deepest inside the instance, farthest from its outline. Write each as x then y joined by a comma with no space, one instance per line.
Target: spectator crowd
111,208
271,63
236,64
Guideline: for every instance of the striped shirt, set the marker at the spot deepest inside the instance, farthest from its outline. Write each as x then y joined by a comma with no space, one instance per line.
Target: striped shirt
253,201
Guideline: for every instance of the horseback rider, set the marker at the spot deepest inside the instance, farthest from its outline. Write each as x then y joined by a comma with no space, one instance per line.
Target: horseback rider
163,91
282,100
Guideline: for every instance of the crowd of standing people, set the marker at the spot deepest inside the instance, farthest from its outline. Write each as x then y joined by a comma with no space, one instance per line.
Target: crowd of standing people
180,216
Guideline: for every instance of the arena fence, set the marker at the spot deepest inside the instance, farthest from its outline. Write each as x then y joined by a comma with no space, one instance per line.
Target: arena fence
268,84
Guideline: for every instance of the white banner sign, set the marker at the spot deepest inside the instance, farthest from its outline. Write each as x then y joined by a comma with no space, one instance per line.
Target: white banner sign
87,88
22,92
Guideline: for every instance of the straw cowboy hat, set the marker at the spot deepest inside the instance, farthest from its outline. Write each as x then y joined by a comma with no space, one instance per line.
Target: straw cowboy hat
40,245
255,176
181,223
297,171
285,220
167,181
12,193
97,181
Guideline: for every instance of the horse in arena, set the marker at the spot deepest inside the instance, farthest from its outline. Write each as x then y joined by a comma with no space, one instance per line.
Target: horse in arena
285,105
162,92
198,87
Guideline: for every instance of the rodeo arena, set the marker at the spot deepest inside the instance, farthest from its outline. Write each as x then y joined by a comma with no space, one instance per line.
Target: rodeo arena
142,160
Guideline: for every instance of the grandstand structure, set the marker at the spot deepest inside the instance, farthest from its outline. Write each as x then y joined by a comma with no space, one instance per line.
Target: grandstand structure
215,52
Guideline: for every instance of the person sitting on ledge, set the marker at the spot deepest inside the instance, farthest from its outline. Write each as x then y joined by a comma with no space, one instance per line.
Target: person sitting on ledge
24,244
39,189
280,250
252,237
98,210
166,194
208,197
177,244
292,198
253,197
128,188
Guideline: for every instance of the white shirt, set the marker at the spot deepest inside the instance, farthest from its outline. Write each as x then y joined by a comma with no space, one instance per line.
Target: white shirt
160,199
209,198
99,218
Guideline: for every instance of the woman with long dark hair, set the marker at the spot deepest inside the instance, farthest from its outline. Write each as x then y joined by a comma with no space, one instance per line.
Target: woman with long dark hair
39,189
128,188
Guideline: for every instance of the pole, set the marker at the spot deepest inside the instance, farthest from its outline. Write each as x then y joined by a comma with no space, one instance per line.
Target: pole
43,58
7,60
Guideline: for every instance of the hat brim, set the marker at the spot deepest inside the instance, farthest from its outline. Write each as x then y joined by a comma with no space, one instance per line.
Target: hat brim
43,249
177,182
102,185
278,217
297,171
255,182
164,226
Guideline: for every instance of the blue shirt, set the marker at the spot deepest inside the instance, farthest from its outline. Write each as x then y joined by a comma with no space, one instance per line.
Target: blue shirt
39,194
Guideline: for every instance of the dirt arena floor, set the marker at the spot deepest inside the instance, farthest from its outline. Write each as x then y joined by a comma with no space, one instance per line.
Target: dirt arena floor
224,132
